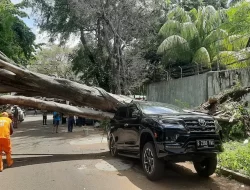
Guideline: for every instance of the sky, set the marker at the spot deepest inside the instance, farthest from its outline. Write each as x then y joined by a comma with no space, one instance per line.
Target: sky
42,37
30,22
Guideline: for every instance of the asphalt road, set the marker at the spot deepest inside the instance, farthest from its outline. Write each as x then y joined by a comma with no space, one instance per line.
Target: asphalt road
80,160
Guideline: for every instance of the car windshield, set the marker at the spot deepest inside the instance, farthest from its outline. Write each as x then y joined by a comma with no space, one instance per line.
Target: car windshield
159,108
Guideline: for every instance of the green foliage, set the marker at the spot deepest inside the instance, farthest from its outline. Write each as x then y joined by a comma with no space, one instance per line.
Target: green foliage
237,131
16,39
105,124
191,36
176,48
239,19
54,61
236,157
191,4
202,36
91,73
202,56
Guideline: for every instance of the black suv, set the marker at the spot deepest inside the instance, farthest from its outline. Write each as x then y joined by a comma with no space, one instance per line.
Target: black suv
156,132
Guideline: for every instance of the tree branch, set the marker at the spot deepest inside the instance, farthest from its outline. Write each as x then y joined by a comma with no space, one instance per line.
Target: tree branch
52,106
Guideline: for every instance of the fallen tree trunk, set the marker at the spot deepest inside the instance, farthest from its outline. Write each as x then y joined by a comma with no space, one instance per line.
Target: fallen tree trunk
52,106
234,95
23,80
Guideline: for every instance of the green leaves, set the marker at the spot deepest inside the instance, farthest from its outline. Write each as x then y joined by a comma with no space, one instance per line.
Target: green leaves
172,27
192,36
202,57
189,31
175,48
179,14
236,157
206,36
239,19
16,39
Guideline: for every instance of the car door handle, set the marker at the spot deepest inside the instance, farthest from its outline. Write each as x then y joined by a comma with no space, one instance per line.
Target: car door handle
125,125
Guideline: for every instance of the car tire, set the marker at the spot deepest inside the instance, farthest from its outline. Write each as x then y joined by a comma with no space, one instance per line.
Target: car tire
206,167
113,147
152,165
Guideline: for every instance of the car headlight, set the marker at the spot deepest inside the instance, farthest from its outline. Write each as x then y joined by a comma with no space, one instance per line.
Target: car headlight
172,124
217,126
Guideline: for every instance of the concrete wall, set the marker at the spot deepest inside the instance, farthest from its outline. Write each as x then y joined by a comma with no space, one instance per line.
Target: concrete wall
196,89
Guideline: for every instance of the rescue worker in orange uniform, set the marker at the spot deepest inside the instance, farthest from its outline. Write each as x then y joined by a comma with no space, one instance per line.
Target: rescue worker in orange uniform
6,130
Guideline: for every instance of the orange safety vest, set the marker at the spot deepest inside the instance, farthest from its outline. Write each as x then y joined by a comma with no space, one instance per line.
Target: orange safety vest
5,124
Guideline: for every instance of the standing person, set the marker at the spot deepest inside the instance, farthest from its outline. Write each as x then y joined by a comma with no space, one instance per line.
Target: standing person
71,123
56,119
15,116
63,119
45,117
35,113
6,131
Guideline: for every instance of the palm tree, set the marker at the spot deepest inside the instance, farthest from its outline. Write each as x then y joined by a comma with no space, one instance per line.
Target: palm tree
192,37
196,38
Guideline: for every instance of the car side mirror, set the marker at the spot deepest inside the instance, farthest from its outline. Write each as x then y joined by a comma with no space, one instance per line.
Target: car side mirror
136,114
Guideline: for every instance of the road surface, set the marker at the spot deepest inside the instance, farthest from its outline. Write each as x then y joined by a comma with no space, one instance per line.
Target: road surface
80,160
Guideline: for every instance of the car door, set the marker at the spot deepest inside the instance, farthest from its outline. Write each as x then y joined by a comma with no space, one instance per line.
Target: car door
131,130
118,123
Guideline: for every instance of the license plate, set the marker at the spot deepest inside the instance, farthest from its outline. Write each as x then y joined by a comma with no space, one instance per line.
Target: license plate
205,143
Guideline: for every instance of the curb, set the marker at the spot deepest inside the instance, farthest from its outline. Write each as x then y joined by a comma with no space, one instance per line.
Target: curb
235,175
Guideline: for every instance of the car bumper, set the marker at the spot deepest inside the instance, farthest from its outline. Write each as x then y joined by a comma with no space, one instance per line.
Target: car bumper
187,145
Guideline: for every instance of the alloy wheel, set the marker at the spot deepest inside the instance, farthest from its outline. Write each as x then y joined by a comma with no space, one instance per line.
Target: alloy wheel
149,161
113,147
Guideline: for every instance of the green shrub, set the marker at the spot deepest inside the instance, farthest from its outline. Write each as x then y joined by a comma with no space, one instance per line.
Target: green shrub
105,124
234,131
236,157
238,131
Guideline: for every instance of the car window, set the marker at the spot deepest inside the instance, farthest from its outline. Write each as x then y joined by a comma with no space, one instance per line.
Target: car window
159,108
131,110
121,112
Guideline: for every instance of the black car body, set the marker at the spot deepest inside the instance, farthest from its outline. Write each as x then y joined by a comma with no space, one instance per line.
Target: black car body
170,133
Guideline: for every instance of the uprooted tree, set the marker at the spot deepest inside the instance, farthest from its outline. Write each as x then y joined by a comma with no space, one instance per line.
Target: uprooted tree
86,101
25,83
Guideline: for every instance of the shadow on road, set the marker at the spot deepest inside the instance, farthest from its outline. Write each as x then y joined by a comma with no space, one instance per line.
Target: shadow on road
33,159
175,177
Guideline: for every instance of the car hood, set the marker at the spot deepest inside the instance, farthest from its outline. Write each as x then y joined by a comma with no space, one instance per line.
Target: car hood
180,116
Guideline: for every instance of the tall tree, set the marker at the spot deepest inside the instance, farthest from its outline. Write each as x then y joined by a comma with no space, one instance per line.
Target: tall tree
196,38
107,29
191,37
55,61
190,4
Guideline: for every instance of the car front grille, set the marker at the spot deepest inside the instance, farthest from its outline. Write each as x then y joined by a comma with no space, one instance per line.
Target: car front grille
194,126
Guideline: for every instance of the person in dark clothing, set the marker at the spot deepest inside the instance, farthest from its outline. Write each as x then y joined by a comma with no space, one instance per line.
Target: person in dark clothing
63,119
15,117
71,123
44,117
56,120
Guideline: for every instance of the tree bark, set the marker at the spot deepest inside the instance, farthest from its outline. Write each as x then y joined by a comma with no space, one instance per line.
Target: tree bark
79,94
211,106
52,106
